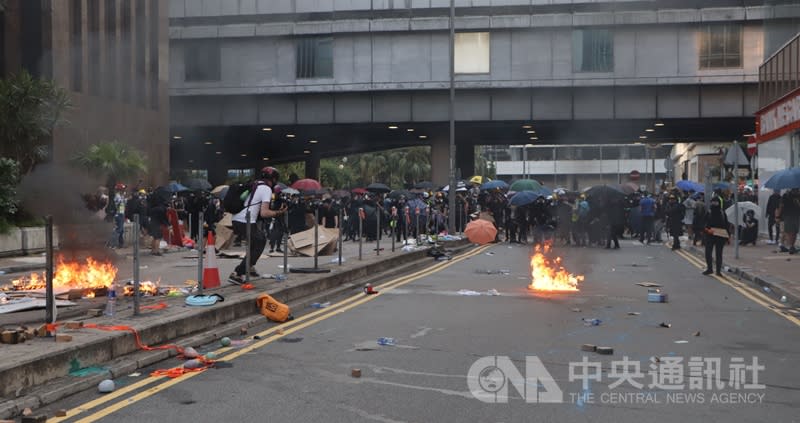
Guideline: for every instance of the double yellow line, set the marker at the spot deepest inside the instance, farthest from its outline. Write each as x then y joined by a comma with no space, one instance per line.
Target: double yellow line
267,336
753,294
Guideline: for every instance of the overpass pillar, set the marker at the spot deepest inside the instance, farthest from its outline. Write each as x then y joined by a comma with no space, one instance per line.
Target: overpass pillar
217,174
312,165
465,160
440,161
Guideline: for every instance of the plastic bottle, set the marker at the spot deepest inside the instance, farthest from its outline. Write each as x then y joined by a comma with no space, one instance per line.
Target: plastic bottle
386,341
320,305
111,303
592,322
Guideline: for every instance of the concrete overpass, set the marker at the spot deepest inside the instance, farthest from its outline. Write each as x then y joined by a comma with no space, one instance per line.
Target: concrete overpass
379,75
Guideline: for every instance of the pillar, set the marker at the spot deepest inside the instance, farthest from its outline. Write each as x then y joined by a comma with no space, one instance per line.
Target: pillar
440,161
465,160
312,165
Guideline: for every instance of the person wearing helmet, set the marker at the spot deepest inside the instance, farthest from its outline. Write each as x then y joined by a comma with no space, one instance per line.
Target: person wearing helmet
675,213
116,211
258,207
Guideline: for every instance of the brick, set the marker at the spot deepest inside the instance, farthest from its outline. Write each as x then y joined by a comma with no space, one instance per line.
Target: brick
34,419
63,338
8,337
61,413
73,325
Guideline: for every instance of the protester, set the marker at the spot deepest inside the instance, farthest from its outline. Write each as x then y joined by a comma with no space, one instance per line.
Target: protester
117,211
773,204
717,234
647,211
675,213
157,205
748,231
790,215
689,205
699,221
616,220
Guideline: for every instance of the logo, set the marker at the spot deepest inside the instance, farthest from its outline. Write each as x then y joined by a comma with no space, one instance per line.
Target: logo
489,379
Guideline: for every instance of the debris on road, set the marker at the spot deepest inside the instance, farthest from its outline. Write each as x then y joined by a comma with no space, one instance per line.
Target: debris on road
681,342
190,352
389,342
576,310
492,292
106,386
243,330
291,340
369,290
225,342
605,350
591,322
468,292
633,313
192,364
696,333
320,305
134,374
665,325
649,284
61,413
783,299
588,347
654,295
355,373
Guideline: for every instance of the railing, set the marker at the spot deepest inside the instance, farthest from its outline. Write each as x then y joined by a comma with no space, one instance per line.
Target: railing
780,74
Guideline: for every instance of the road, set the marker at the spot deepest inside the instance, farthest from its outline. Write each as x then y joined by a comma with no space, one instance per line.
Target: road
305,373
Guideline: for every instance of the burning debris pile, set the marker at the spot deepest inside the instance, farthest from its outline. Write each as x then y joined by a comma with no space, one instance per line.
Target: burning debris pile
92,276
549,274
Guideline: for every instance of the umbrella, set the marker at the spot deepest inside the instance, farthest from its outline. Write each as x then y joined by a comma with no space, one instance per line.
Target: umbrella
629,188
358,191
480,231
341,193
722,186
307,185
525,185
785,179
176,187
604,192
524,198
477,179
685,185
424,185
220,191
378,187
290,191
496,184
460,187
198,184
400,193
743,207
544,191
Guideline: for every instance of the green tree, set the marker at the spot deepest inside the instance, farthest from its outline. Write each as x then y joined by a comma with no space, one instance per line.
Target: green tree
333,173
114,161
30,109
9,179
286,169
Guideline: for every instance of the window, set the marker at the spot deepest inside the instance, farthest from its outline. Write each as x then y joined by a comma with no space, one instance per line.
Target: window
593,50
126,62
110,72
93,8
141,36
76,44
154,64
721,46
315,57
202,60
472,52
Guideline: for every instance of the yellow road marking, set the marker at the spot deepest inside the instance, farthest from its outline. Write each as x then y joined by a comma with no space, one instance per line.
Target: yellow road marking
296,325
753,294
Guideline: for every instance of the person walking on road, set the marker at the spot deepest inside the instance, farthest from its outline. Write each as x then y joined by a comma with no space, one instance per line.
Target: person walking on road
790,216
675,214
647,207
773,221
616,221
717,235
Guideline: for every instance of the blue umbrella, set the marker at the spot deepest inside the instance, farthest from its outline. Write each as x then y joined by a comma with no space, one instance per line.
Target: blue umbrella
685,185
496,184
785,179
176,187
523,198
544,191
721,186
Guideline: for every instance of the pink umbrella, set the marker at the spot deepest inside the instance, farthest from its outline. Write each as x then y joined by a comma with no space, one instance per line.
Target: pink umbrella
306,185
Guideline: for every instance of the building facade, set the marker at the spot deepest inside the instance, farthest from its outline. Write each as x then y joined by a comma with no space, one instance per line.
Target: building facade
247,74
112,58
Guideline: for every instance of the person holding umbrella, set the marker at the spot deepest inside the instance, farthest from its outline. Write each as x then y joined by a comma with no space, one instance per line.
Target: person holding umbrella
790,215
717,235
675,213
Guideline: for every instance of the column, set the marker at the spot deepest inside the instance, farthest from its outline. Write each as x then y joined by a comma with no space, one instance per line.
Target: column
440,161
312,165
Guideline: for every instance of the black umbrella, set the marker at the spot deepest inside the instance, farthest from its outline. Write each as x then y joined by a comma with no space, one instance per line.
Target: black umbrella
424,185
400,193
604,192
377,187
198,184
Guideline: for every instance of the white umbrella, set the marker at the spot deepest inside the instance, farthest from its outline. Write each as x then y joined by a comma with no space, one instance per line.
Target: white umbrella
290,191
744,206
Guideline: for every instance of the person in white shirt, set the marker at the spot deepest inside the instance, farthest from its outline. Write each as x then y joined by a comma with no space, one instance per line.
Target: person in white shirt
258,205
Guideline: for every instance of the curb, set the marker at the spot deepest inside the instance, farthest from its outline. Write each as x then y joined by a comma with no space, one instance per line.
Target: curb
21,268
776,285
39,382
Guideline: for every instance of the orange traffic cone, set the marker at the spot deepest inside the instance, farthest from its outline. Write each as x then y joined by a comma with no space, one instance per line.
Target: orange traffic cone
210,270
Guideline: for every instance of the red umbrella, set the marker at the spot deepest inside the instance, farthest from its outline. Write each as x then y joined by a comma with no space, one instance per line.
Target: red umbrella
359,191
306,185
481,231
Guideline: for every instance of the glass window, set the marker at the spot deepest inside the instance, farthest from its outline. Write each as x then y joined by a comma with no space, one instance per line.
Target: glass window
315,57
76,44
593,50
721,46
472,52
202,60
153,33
93,12
110,72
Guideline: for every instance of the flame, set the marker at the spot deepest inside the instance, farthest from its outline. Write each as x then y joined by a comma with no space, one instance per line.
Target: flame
145,288
548,274
89,294
91,275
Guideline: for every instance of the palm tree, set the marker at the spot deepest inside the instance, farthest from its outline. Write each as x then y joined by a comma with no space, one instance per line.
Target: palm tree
114,161
30,109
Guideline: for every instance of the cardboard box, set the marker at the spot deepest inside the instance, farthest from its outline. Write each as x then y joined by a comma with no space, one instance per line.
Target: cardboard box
303,242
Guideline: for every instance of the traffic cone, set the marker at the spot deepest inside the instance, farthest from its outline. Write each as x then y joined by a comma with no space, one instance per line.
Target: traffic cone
210,269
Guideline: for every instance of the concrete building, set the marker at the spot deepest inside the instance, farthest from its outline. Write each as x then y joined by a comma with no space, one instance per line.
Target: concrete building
112,58
265,81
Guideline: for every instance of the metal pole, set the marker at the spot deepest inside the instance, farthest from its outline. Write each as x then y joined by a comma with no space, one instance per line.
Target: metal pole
200,262
50,303
452,193
555,169
378,230
524,162
316,237
736,198
653,168
247,251
136,264
393,225
360,232
416,213
190,223
286,244
341,212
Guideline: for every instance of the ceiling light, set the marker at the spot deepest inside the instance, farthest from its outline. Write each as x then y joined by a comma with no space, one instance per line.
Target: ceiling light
176,137
313,141
209,142
219,152
307,151
265,158
266,129
649,130
642,137
392,127
289,135
410,130
531,132
191,161
659,123
422,137
244,155
534,138
527,126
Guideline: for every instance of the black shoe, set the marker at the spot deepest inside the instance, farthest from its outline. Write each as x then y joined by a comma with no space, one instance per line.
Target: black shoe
236,279
271,251
616,247
784,249
278,250
708,272
719,273
254,274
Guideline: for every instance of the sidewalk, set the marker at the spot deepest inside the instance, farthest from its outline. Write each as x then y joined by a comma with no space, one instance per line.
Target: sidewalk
27,366
763,265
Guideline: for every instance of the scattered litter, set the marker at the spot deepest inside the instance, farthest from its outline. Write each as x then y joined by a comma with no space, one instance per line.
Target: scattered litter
408,248
492,292
291,340
493,272
605,350
490,253
366,346
613,269
355,373
240,342
320,305
654,295
369,290
280,266
386,342
696,333
280,277
335,260
256,337
591,322
87,371
243,330
633,313
783,299
443,258
279,331
682,342
665,325
143,267
576,310
134,374
27,411
225,342
211,356
2,272
766,289
468,292
649,284
589,347
106,386
727,269
61,413
190,352
192,364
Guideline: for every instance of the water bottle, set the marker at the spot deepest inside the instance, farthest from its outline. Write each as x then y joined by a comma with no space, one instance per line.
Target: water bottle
386,341
592,322
111,300
320,305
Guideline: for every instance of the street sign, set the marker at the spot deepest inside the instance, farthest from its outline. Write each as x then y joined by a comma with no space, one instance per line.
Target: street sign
733,156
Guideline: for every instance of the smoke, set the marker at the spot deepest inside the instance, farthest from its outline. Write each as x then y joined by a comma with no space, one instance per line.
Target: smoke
56,190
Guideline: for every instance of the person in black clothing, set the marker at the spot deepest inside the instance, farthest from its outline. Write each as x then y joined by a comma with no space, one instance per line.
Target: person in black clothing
773,204
328,214
717,234
749,231
675,213
616,221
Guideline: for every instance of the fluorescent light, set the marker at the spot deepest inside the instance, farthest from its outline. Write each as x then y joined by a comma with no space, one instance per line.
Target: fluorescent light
313,141
649,130
243,155
410,130
266,129
307,151
534,138
531,132
392,127
289,135
659,123
209,142
176,137
422,137
219,152
265,158
527,126
642,137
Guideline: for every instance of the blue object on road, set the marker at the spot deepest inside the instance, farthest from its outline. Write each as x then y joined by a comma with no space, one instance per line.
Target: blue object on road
386,341
592,322
785,179
320,305
656,296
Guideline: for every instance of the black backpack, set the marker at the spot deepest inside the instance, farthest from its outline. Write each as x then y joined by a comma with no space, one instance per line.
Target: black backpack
238,195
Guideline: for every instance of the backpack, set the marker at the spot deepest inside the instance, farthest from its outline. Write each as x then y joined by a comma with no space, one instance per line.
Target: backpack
238,195
273,309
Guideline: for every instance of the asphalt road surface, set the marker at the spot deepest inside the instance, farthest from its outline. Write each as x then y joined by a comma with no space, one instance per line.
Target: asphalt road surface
527,347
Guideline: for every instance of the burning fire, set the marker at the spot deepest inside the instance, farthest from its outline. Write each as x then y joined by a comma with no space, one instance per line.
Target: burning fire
548,274
145,288
91,275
